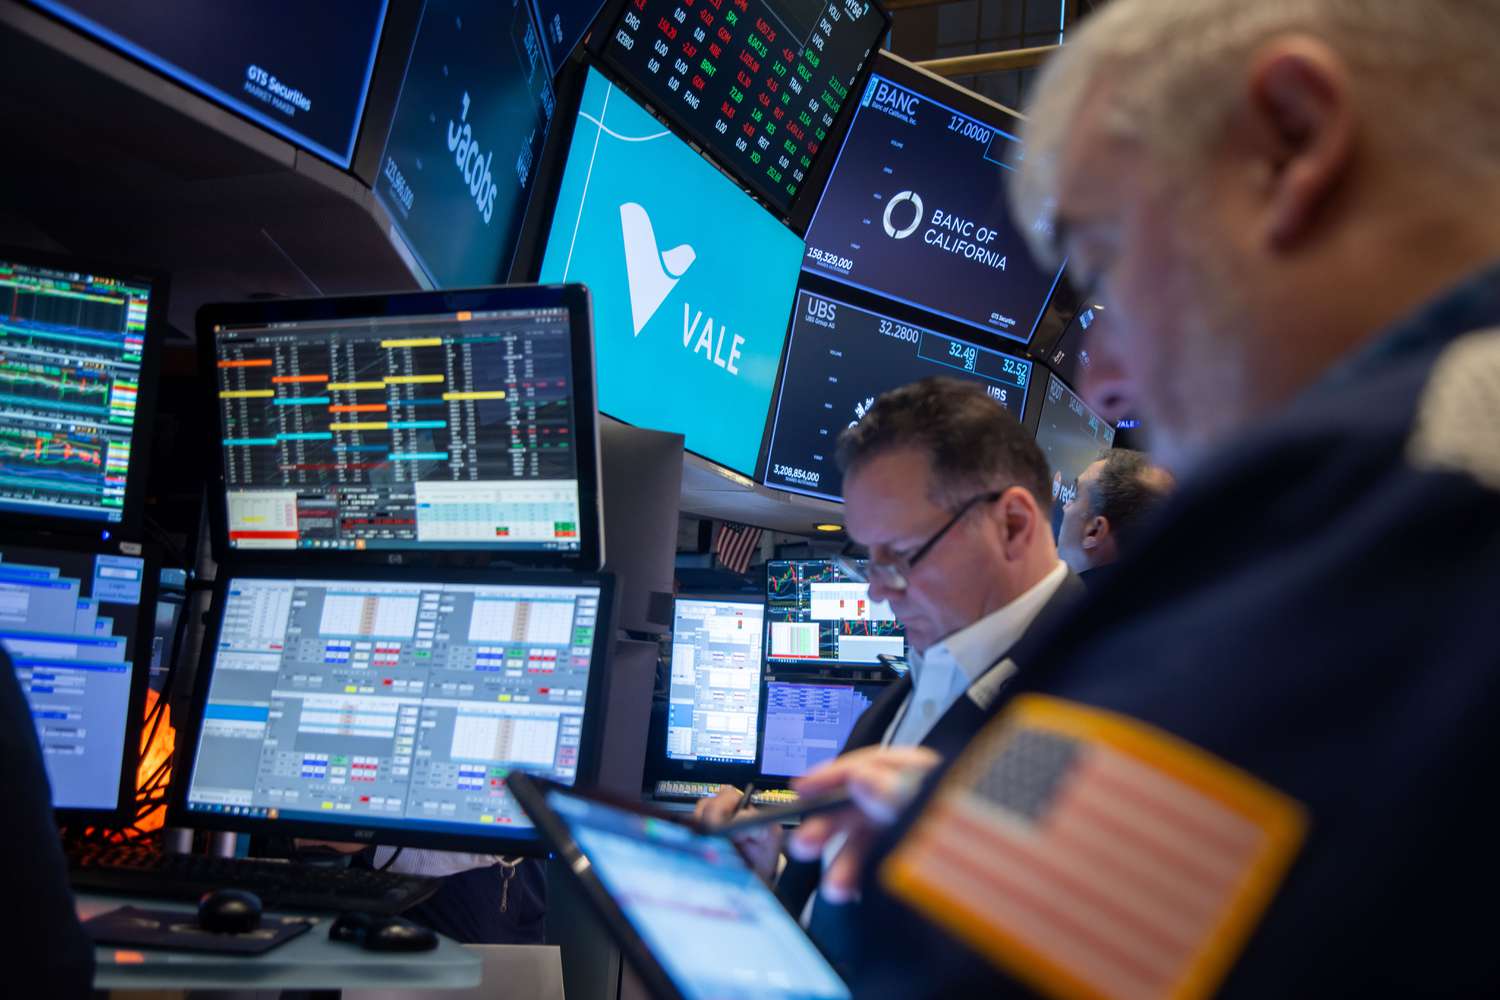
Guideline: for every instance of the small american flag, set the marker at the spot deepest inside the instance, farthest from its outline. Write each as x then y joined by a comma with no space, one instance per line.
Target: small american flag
1079,866
736,545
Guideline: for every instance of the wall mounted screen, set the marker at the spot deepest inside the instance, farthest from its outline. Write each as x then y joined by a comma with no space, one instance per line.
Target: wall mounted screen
1073,437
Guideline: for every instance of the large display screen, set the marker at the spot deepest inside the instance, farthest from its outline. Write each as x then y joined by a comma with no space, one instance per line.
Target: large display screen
839,359
301,70
692,281
916,210
469,127
71,351
392,704
446,431
1073,437
70,622
816,616
714,697
758,83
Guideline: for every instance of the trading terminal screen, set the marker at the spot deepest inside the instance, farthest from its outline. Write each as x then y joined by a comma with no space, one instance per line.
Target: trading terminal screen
840,358
461,158
392,704
69,622
71,347
451,431
808,724
1073,437
915,210
817,617
758,83
714,698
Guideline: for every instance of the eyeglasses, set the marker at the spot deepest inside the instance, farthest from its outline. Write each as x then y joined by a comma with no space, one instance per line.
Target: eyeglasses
893,574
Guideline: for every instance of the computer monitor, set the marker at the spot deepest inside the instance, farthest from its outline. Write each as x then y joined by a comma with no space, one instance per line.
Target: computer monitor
916,211
390,707
459,163
1073,437
79,346
807,723
713,699
420,422
692,280
642,481
171,597
816,616
75,620
759,84
300,70
839,359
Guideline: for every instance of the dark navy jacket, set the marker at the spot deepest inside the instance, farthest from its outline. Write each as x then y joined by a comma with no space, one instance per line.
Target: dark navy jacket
1319,606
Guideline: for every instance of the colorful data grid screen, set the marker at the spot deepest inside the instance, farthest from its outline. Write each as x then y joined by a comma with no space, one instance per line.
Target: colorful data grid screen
839,359
445,431
758,83
817,616
70,366
69,619
714,697
396,704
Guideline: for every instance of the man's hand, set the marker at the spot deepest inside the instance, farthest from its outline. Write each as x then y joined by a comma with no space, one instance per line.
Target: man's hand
762,845
881,781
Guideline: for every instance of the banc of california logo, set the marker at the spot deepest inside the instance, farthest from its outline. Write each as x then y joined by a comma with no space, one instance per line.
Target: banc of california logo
916,219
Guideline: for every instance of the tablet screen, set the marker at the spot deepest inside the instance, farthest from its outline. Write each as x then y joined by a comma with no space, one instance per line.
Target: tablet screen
716,929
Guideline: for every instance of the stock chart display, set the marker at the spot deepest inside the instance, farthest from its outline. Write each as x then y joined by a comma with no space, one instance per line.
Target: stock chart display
452,431
816,616
1073,437
839,359
71,347
758,83
915,209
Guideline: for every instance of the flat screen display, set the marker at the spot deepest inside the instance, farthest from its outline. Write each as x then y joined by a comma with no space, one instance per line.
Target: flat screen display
816,616
692,281
563,23
300,70
915,209
72,347
70,622
714,697
808,724
839,359
758,83
461,157
1073,437
396,705
452,430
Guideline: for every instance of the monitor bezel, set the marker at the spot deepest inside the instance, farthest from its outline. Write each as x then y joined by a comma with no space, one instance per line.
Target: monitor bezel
122,814
574,297
764,780
133,510
190,733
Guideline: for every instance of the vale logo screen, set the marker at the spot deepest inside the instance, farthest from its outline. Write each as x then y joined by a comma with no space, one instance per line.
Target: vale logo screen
692,281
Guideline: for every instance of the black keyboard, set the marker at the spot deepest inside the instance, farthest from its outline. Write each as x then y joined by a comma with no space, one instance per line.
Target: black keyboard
133,871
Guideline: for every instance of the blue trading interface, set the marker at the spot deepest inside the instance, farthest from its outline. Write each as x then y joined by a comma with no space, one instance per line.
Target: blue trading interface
396,704
68,621
808,724
816,616
70,364
714,698
446,431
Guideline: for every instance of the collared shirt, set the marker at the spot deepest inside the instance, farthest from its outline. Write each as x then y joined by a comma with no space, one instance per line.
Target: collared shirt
942,674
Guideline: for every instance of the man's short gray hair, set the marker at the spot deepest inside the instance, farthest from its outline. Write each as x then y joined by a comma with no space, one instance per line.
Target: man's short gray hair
1429,67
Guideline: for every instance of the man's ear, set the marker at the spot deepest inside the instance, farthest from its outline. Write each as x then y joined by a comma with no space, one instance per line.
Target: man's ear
1019,519
1095,532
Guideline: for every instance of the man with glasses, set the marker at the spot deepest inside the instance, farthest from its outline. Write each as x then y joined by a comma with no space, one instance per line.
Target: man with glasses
949,494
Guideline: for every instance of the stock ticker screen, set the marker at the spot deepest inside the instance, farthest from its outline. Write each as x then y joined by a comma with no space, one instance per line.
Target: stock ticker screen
816,616
392,703
71,347
840,358
714,697
1073,437
758,83
915,210
447,431
461,158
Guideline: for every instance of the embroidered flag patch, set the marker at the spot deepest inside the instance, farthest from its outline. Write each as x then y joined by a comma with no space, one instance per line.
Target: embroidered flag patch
1097,857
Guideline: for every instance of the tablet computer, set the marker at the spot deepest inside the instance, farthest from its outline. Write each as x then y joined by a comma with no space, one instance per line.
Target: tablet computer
684,906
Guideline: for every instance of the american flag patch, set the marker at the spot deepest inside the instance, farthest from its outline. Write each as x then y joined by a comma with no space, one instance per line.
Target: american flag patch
1096,857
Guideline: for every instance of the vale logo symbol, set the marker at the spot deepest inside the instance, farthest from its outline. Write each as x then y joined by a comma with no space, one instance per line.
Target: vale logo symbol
650,273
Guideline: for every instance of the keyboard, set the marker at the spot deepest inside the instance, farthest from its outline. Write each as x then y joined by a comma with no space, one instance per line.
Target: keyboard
708,789
131,870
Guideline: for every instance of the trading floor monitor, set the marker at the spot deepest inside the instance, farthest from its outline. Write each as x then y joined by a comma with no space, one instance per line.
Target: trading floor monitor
1073,437
75,618
808,723
421,422
391,707
714,693
817,617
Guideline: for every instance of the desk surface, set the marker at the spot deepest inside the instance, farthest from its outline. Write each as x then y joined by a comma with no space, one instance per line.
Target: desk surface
308,962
